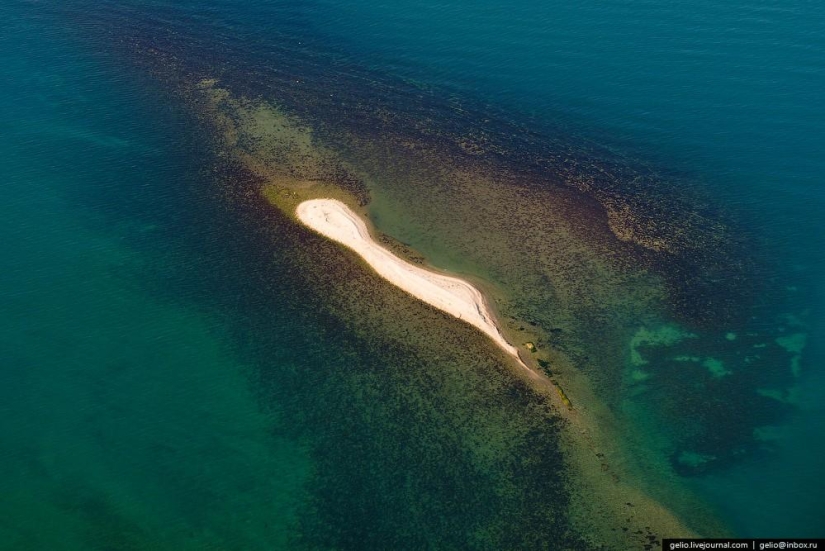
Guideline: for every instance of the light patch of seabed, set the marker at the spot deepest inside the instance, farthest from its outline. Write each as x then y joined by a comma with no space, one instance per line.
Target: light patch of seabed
664,335
389,218
794,344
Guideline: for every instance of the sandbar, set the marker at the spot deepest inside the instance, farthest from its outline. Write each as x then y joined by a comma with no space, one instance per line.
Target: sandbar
333,219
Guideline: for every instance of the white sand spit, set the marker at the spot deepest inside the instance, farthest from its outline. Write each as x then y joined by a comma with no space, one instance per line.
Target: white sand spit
452,295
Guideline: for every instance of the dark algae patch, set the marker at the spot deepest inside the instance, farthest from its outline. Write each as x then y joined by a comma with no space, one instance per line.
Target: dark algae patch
634,292
723,394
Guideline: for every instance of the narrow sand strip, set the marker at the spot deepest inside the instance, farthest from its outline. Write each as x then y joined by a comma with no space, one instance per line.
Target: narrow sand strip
454,296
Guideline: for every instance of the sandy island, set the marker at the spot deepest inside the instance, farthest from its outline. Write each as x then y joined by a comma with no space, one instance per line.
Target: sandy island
454,296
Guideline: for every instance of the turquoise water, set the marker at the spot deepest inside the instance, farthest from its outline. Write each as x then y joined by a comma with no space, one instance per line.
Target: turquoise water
126,398
127,421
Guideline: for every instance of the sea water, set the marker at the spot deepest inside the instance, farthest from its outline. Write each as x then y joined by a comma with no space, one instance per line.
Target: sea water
124,403
127,421
726,92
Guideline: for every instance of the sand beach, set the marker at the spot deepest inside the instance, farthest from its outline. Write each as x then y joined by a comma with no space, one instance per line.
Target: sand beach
333,219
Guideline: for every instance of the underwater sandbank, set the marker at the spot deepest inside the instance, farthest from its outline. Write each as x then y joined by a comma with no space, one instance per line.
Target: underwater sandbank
333,219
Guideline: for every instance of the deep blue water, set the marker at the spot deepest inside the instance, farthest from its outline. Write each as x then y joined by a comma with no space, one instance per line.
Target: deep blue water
729,93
